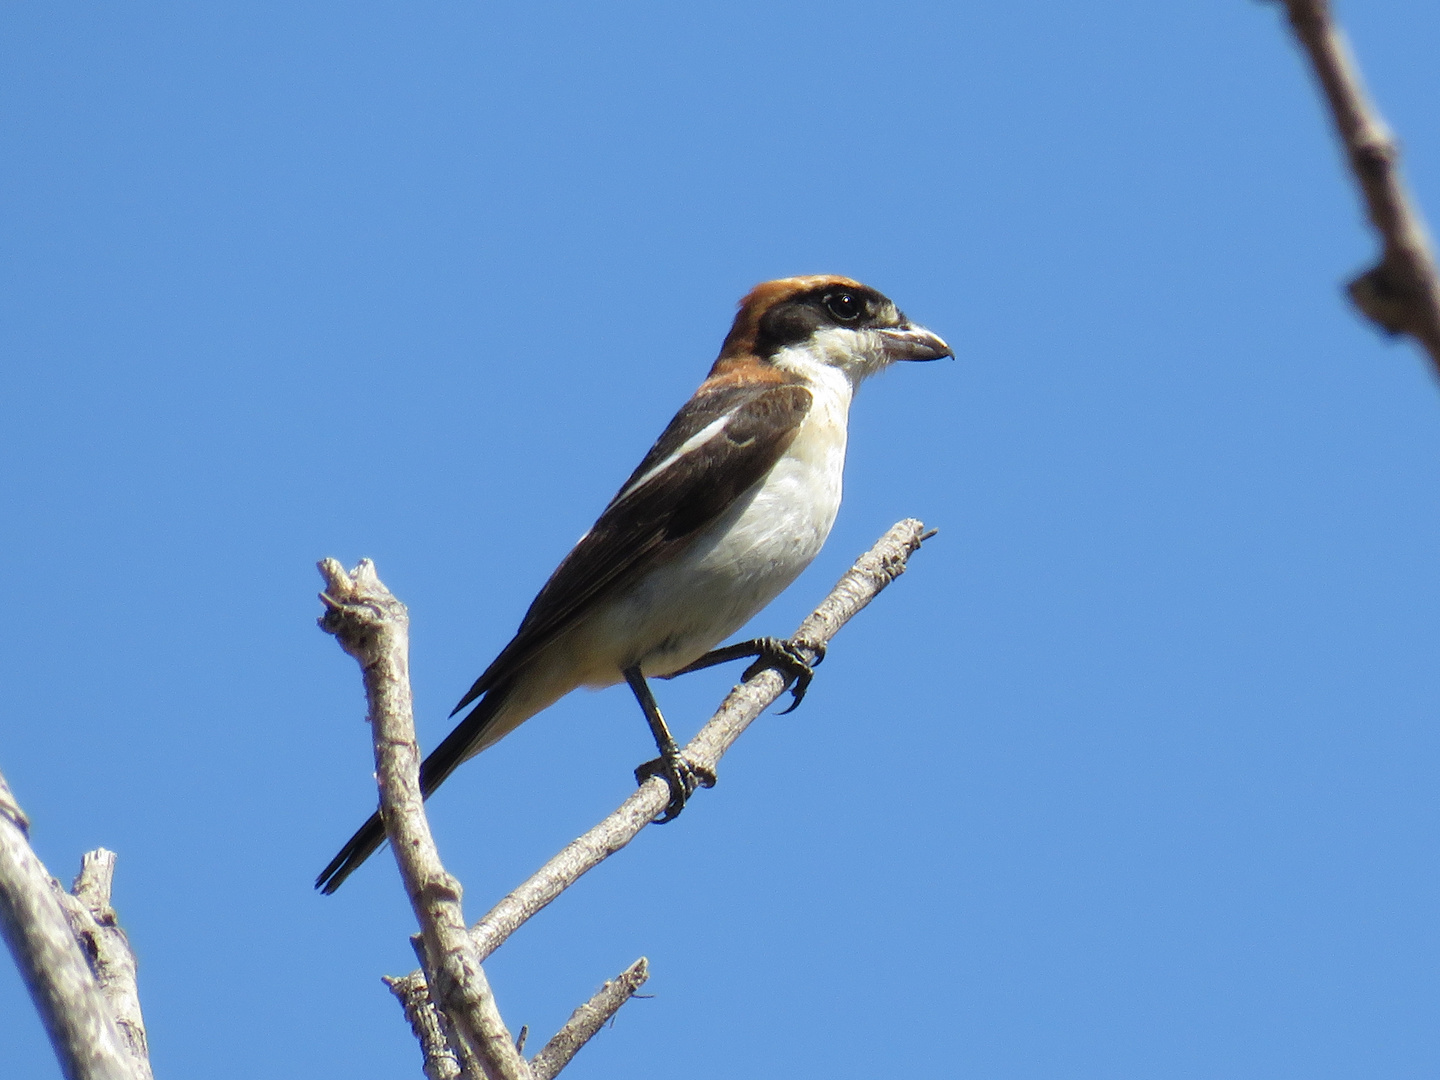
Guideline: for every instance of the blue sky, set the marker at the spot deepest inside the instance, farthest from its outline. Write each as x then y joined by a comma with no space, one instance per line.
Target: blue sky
1132,776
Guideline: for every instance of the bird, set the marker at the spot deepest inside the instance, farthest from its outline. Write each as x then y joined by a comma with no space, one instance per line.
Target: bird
731,503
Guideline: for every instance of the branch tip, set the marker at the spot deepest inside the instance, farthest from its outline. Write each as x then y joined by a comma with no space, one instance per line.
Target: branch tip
588,1019
93,884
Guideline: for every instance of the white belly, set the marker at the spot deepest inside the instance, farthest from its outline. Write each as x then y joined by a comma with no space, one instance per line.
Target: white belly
745,559
734,568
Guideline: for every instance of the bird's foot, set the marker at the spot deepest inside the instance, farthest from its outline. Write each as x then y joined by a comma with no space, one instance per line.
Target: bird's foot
787,657
683,776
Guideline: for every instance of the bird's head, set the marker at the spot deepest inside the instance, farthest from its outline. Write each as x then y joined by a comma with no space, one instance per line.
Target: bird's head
800,322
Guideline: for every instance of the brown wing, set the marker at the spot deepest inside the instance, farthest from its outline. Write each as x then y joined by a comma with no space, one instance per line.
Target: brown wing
649,520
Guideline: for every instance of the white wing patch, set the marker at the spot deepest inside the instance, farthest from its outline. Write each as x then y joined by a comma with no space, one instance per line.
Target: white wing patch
699,439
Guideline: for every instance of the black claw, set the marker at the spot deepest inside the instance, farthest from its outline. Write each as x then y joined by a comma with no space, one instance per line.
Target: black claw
683,776
787,657
797,693
778,653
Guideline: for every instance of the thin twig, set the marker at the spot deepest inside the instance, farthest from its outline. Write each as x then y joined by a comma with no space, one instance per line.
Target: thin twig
589,1018
74,1011
1401,293
373,627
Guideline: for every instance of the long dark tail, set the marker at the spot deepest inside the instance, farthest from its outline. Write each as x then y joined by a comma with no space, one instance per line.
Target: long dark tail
433,772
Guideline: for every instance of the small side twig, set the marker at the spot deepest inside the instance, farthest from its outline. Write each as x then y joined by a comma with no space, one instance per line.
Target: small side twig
72,1007
373,627
426,1023
589,1018
469,1065
96,927
1401,293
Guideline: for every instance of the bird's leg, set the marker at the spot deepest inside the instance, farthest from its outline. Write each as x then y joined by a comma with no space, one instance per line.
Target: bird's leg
785,656
683,776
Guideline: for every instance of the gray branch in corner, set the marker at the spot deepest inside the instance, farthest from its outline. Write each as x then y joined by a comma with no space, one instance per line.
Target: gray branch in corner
1401,293
588,1019
33,918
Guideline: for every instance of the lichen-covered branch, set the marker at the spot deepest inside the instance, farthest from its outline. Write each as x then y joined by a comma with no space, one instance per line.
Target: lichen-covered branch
1401,292
374,627
33,919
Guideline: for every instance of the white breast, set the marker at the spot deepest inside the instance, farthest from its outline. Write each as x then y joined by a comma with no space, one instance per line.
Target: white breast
752,552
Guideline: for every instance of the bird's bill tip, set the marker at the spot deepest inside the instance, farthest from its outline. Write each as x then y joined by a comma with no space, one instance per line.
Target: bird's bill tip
914,343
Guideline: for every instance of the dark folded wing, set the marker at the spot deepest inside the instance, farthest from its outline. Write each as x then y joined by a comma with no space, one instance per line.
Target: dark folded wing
717,447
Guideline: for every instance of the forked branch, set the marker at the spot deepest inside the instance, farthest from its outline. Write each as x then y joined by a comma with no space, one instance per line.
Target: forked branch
97,928
374,627
871,573
466,1034
72,955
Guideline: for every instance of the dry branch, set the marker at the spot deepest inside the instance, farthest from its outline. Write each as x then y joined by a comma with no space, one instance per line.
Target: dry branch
1401,293
33,918
428,1026
589,1018
96,927
874,570
374,627
871,573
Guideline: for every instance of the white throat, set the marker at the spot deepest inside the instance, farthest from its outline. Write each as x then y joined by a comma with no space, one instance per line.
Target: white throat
852,354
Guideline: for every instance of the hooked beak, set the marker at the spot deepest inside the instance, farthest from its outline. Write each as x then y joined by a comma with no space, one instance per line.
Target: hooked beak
912,343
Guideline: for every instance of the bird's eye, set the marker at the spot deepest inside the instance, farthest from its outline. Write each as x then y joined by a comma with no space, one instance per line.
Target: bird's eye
845,306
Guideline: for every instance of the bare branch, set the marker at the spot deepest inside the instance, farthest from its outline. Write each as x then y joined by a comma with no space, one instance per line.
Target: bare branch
589,1018
874,570
73,1009
373,627
1401,293
96,927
